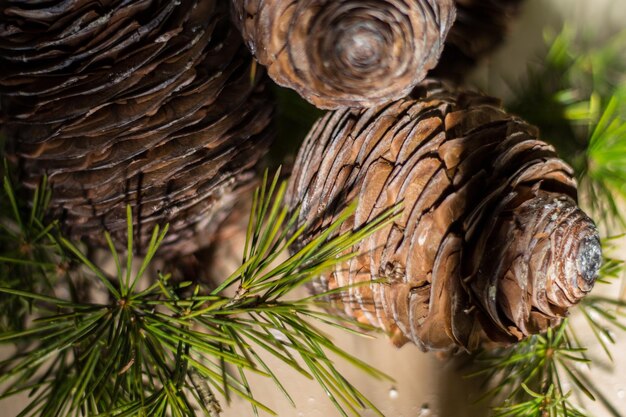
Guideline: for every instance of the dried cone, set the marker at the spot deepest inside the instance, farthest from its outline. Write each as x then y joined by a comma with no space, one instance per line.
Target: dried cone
490,247
355,53
479,28
149,103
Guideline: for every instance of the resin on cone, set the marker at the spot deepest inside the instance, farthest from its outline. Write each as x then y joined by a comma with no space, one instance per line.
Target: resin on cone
354,53
491,245
148,103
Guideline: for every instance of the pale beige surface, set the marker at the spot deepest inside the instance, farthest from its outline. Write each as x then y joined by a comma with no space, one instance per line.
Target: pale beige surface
426,386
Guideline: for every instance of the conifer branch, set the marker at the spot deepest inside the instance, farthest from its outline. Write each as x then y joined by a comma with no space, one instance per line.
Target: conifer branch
169,349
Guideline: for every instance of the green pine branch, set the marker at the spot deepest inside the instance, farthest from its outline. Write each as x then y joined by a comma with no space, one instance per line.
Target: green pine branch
179,348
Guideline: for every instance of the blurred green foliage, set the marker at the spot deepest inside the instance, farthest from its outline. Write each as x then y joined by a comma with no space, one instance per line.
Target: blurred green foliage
576,95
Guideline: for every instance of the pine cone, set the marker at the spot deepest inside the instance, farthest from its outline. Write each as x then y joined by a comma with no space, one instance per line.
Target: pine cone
491,246
149,103
480,27
346,53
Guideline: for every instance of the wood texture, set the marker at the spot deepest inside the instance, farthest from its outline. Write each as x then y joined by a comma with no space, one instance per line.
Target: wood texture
491,245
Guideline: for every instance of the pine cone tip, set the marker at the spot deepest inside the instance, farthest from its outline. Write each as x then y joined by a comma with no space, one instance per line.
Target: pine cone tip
559,247
589,258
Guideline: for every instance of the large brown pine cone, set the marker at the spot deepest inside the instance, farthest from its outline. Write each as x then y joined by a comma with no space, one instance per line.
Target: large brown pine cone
151,103
480,27
491,246
354,53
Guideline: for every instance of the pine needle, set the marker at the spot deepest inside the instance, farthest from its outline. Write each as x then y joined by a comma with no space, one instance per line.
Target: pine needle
165,350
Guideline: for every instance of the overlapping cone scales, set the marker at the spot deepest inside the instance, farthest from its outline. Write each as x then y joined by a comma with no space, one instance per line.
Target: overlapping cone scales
547,258
148,103
354,53
480,26
465,171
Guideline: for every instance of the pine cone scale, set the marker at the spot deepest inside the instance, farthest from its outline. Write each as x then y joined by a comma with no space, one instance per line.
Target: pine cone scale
147,103
348,53
440,308
488,223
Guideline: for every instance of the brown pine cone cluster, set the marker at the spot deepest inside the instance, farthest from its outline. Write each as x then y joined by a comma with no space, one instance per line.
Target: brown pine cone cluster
158,105
491,245
354,53
149,103
480,27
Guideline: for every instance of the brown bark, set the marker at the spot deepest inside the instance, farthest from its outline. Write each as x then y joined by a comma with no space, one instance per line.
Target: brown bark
150,103
354,53
491,245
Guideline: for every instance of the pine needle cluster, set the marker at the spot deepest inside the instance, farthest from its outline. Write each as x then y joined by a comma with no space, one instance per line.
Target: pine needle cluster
167,348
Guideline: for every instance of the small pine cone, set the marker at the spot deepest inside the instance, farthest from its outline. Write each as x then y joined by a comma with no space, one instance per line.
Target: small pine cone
149,103
346,53
490,247
480,27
